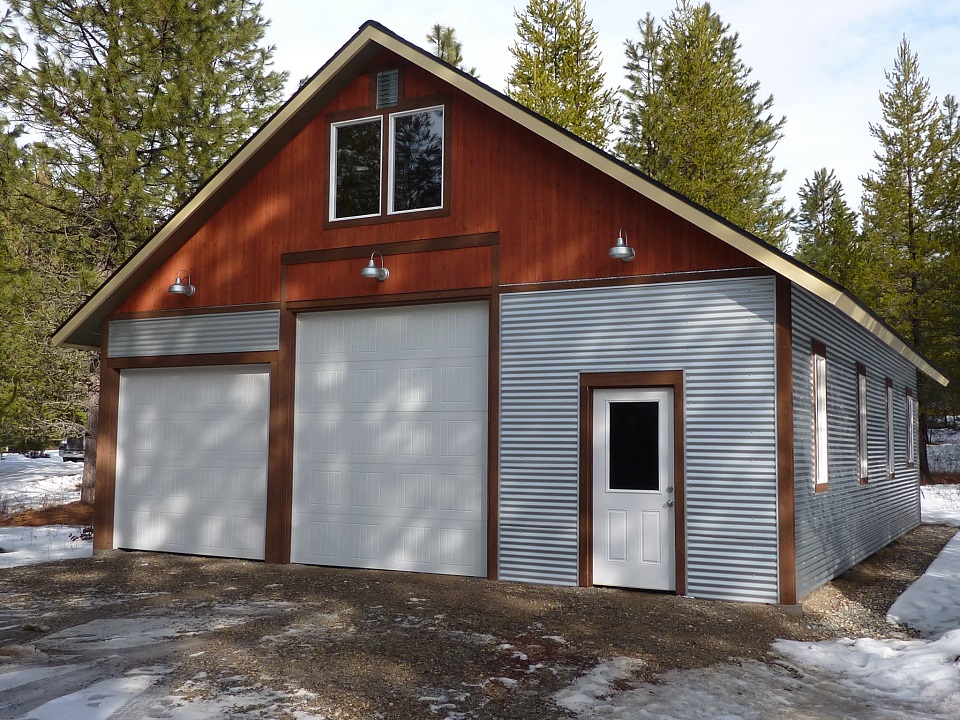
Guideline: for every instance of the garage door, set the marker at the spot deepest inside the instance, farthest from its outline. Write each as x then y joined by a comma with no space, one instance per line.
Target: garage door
192,460
390,439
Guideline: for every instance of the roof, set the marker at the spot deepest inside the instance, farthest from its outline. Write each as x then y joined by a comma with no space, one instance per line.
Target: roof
83,328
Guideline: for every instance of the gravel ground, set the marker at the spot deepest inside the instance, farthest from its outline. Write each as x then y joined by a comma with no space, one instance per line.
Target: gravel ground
369,644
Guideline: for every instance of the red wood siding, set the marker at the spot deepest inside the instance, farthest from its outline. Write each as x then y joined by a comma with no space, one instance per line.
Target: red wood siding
556,216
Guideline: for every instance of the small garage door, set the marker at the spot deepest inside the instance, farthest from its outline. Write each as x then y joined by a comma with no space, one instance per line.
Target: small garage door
192,460
390,440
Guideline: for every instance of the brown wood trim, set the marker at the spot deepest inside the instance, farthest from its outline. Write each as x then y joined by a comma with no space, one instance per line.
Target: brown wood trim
786,481
356,252
217,310
352,303
589,382
493,422
279,521
105,495
638,280
165,361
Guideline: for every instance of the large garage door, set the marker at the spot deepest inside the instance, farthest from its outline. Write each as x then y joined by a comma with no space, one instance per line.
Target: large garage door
390,440
192,460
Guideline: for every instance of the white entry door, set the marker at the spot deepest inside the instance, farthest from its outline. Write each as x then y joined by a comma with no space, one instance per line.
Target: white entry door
633,492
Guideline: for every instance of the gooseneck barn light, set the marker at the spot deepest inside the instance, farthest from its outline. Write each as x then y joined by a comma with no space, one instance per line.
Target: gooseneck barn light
372,271
622,251
180,287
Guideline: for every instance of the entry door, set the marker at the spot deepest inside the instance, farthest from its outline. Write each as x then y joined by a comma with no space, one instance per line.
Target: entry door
633,492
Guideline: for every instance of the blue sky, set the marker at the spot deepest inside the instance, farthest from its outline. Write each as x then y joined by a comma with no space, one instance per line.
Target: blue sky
822,60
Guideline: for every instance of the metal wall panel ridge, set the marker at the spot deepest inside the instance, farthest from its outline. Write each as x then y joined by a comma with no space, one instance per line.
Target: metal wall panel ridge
850,521
720,333
253,331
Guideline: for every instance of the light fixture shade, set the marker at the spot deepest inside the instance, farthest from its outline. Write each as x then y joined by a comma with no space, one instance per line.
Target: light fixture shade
180,287
622,251
373,272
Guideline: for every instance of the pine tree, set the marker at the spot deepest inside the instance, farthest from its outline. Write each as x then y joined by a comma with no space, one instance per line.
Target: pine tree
904,219
828,240
127,106
694,122
447,47
557,69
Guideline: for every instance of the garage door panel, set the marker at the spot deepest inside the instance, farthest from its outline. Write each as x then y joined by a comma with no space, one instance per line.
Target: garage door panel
420,545
391,439
399,437
191,474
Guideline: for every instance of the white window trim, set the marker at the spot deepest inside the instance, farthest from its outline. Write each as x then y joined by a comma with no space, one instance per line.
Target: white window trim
391,160
911,421
891,447
863,437
334,129
820,435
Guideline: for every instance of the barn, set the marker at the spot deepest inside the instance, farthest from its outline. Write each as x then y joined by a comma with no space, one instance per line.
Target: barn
411,325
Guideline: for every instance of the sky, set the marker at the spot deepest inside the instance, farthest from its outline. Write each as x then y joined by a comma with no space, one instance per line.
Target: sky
822,60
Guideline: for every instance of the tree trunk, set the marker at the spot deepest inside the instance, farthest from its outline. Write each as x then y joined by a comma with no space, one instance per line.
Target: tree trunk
88,485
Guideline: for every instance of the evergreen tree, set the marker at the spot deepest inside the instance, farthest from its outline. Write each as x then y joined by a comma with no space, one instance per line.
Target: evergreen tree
447,47
905,224
694,122
828,240
557,69
127,106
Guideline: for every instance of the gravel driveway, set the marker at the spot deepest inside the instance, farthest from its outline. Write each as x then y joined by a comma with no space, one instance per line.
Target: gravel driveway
338,643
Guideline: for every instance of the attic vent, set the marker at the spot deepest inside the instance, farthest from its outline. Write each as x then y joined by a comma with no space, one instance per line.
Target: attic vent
388,88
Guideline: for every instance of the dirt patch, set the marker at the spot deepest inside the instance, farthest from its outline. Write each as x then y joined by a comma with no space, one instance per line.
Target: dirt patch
75,513
370,644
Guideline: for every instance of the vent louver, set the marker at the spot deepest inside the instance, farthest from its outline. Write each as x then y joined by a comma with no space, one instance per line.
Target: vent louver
388,88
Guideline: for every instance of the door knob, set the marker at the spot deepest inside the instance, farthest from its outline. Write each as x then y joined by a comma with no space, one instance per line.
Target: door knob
670,488
669,503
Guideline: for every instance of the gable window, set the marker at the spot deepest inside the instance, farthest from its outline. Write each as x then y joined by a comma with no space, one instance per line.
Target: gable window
387,165
863,446
890,444
820,455
356,161
416,160
911,420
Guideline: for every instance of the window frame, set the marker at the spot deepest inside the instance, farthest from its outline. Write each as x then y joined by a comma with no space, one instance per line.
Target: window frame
404,107
891,437
332,168
391,160
910,412
821,434
863,413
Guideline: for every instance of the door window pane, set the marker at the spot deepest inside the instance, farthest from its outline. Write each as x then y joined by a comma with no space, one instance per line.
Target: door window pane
357,168
417,160
634,446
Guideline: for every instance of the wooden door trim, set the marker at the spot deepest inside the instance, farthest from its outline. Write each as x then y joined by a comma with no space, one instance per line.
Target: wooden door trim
589,384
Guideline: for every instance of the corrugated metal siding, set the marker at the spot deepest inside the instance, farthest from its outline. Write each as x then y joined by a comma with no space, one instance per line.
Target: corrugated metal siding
721,334
838,528
195,334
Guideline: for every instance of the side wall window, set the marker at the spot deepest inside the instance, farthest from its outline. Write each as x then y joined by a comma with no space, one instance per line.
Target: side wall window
891,466
820,455
863,446
911,428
